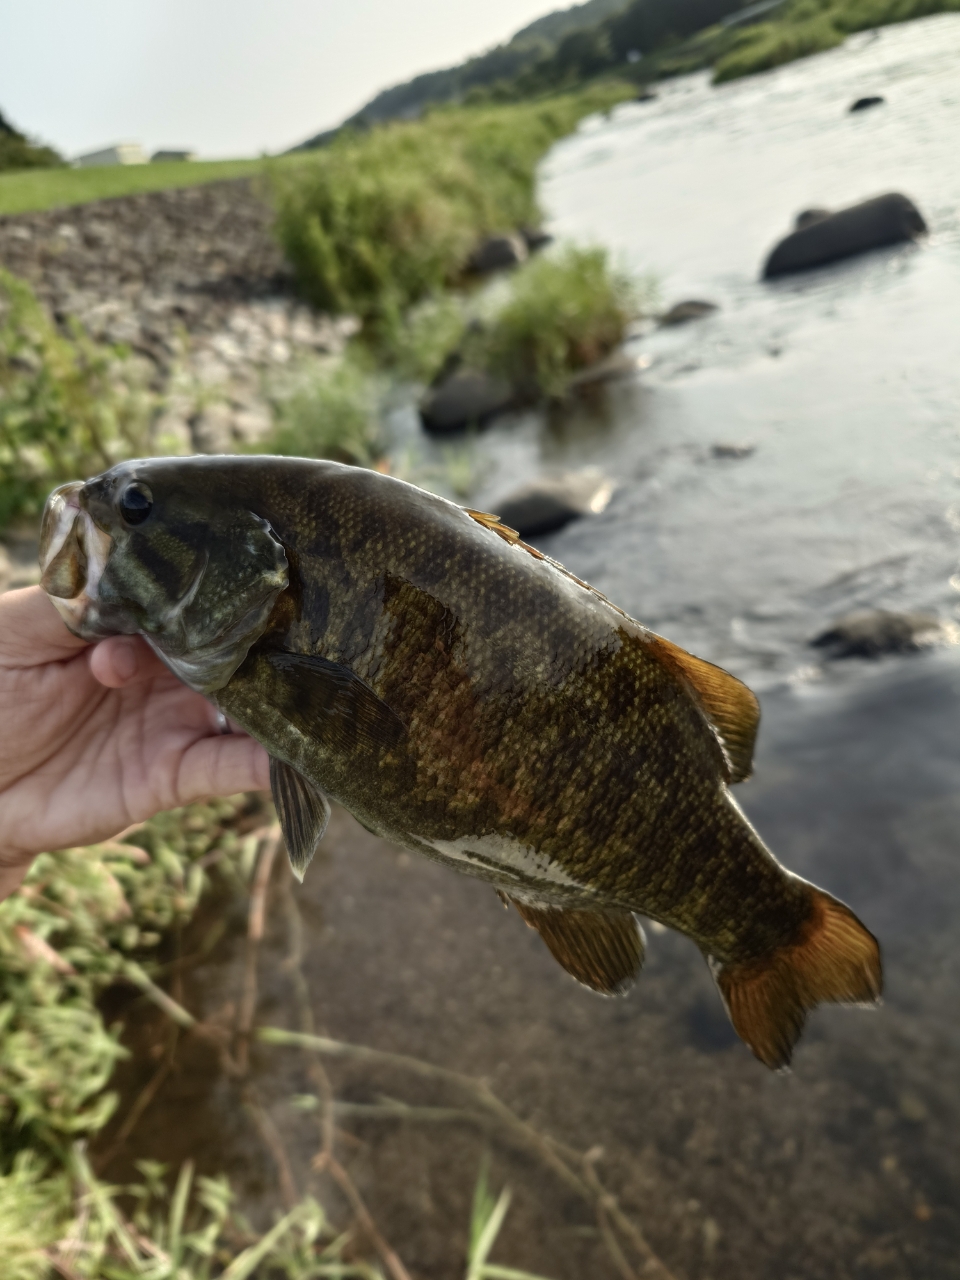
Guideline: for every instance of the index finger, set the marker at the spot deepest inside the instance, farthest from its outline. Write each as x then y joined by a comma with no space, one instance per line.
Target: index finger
31,630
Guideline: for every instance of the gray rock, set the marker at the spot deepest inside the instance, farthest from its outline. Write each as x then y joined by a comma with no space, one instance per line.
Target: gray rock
878,631
863,104
497,253
884,220
807,217
692,309
464,398
553,501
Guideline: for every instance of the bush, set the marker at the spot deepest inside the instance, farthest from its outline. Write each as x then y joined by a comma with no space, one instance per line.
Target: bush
566,311
69,406
378,221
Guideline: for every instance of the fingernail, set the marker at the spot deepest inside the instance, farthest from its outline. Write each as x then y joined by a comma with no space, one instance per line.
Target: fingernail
125,659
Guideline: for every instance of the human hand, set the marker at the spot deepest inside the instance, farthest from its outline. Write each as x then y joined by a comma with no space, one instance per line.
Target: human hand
94,738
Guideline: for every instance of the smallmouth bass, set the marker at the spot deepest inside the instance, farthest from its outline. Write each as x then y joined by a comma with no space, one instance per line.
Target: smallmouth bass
468,699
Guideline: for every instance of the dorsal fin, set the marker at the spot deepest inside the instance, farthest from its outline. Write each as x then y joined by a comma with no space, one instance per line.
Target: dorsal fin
601,949
731,709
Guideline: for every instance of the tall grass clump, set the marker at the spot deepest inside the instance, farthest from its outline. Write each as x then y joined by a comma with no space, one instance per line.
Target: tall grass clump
69,406
565,312
377,221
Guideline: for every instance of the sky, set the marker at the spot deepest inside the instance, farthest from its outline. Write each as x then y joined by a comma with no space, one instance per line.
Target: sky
224,77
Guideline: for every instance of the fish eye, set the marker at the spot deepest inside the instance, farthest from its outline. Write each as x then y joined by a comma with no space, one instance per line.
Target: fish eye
136,503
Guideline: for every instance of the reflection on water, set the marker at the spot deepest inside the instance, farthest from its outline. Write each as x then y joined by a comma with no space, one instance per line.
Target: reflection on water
846,382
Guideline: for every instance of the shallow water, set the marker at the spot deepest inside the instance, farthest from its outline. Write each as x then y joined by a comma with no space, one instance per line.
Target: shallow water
846,382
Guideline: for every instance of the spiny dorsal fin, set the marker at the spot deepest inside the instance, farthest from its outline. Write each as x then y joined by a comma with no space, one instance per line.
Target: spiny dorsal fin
601,949
496,525
303,811
729,706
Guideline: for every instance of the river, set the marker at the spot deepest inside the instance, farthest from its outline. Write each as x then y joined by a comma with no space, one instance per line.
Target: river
844,385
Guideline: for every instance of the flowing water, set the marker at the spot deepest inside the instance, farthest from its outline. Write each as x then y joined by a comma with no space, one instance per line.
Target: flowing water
845,385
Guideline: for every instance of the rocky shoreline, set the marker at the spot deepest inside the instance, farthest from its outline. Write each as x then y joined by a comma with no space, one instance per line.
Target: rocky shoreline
192,282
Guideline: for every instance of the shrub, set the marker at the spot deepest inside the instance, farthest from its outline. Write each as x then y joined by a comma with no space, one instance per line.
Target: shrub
566,310
378,221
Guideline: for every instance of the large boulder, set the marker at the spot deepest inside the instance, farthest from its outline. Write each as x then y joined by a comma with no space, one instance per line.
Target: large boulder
886,219
497,253
464,398
553,501
879,631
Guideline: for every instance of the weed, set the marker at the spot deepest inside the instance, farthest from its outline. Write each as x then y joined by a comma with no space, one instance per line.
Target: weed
68,406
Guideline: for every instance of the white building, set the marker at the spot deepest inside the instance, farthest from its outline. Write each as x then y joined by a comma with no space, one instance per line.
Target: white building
122,153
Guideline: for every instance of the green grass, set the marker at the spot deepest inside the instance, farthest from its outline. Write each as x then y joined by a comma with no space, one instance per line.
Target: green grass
34,189
812,26
378,221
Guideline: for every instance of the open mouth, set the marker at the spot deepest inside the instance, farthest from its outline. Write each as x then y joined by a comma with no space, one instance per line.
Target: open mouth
73,553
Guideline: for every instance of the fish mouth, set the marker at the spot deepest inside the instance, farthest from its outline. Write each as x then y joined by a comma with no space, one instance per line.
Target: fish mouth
73,554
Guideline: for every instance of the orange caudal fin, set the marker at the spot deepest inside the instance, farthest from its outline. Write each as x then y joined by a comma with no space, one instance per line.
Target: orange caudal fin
834,960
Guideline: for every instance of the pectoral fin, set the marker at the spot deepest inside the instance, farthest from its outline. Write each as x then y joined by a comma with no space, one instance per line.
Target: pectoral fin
329,702
601,949
303,811
729,706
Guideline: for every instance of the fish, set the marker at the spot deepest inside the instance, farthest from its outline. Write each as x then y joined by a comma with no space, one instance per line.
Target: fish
469,699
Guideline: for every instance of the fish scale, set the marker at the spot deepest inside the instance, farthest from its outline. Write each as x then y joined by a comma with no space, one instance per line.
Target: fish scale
468,699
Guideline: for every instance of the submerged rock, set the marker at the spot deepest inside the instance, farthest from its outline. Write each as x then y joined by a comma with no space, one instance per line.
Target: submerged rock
884,220
862,104
879,631
497,253
464,398
553,501
692,309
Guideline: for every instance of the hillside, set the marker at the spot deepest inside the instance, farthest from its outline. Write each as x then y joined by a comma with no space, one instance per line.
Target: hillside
529,46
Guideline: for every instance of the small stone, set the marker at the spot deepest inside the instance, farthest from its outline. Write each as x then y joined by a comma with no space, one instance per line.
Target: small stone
864,104
879,631
553,501
733,450
691,309
497,253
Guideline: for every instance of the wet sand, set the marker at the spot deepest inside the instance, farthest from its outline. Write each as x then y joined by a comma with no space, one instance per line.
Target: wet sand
844,1167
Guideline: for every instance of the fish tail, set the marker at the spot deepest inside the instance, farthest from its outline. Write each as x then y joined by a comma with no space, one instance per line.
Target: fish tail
833,960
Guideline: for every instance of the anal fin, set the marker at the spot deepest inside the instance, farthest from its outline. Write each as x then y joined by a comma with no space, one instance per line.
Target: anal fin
303,810
601,949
